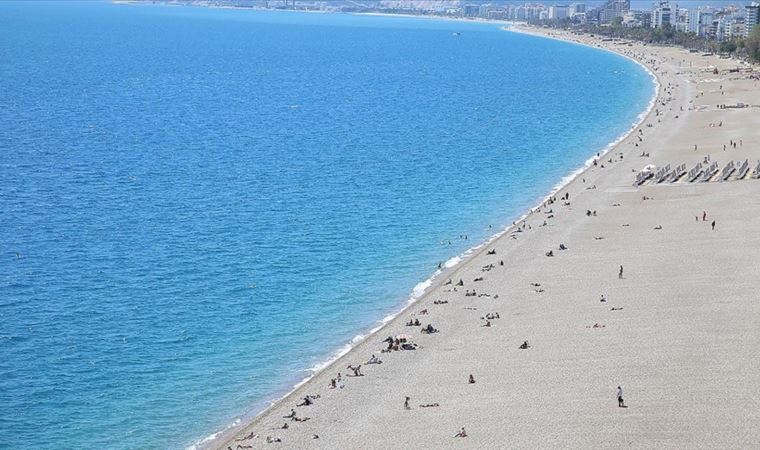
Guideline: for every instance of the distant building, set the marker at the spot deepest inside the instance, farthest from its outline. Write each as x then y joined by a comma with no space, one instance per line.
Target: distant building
634,19
681,20
471,10
662,15
693,21
577,8
497,14
558,12
751,17
736,29
706,18
613,9
520,13
484,10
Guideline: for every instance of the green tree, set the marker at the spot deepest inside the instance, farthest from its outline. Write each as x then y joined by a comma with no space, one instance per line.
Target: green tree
752,44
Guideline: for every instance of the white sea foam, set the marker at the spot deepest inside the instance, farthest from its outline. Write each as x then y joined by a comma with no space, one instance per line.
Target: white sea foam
213,436
419,289
451,262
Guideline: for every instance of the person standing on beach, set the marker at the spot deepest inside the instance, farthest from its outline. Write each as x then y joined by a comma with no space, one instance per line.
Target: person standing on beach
621,403
713,225
620,274
406,403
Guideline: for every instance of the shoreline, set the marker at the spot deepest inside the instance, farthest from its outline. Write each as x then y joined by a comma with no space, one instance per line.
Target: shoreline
221,438
687,330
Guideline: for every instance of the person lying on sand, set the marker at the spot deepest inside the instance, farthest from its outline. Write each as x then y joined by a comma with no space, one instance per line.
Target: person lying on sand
250,436
291,415
374,360
429,329
430,405
271,440
487,324
356,370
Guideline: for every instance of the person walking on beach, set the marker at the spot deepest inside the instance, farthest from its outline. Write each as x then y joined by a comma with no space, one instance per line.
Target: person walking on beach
621,403
406,403
620,274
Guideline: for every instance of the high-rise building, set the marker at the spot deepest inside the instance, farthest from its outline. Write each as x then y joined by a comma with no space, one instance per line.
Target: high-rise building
471,10
633,19
558,12
752,17
613,9
680,20
706,18
694,20
577,8
662,15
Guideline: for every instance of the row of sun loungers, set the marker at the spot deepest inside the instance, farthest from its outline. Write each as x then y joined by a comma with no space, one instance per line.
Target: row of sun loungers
736,170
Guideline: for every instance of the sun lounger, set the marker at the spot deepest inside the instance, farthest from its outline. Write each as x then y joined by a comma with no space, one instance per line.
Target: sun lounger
728,171
743,169
695,172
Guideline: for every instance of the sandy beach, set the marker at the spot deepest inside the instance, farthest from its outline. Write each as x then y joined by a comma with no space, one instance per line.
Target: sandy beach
678,329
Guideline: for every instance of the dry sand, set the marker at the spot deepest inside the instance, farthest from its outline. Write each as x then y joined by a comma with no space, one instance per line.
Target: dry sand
685,347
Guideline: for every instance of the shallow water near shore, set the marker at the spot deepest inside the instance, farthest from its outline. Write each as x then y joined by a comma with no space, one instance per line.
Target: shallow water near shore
199,205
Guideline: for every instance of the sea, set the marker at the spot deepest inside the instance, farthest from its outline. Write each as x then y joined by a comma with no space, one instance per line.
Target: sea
200,207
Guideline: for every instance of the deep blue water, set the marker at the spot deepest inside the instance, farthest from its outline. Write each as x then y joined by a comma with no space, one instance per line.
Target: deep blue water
196,205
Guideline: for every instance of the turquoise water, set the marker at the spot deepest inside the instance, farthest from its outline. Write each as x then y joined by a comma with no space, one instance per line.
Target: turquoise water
198,205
